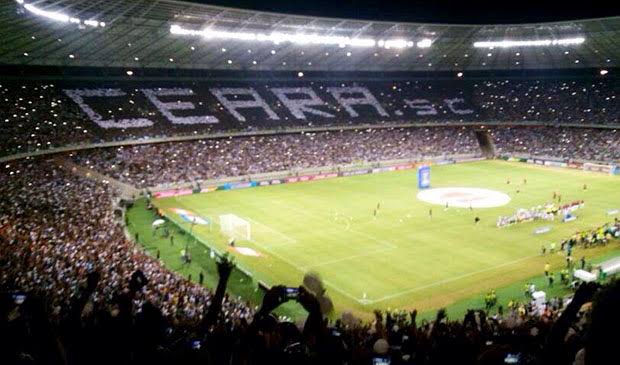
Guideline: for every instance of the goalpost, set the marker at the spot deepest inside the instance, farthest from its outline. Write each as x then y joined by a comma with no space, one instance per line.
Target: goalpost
235,227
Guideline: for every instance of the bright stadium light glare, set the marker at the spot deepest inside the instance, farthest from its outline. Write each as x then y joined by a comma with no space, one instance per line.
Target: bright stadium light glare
424,43
530,43
53,15
58,16
297,38
396,43
92,23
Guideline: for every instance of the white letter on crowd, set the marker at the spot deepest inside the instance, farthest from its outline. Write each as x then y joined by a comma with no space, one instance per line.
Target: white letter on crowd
166,107
421,106
78,95
450,103
233,105
347,102
298,106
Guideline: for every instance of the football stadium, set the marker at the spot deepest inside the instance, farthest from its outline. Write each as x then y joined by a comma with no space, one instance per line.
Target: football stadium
242,183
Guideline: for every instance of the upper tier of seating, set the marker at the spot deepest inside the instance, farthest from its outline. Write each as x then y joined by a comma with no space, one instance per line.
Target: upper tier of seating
42,115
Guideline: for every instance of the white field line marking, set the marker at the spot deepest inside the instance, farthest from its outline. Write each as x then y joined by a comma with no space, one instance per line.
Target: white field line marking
386,244
369,253
365,235
448,280
391,246
282,258
287,239
360,301
297,267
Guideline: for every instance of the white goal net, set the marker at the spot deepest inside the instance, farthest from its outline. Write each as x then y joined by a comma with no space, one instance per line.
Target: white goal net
235,227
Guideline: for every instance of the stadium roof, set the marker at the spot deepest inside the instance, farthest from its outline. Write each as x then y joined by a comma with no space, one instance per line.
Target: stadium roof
172,34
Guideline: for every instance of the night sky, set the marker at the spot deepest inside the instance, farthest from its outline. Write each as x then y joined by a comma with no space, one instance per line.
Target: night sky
437,11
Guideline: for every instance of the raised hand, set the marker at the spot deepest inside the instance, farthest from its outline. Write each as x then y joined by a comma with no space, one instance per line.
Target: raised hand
378,315
273,299
308,301
441,314
225,267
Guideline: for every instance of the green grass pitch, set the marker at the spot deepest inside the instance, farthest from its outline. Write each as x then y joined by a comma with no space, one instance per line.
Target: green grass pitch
402,258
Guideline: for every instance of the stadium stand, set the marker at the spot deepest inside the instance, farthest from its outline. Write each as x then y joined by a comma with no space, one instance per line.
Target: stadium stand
156,164
563,143
40,116
63,247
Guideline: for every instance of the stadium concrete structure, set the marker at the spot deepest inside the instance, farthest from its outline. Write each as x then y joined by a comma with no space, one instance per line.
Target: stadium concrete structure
169,34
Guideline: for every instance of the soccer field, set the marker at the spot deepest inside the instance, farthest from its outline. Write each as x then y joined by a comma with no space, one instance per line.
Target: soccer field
402,257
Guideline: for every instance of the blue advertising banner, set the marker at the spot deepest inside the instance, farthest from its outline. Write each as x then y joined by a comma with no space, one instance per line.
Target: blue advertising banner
424,177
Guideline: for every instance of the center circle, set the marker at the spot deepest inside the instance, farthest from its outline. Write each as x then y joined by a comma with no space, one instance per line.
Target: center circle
464,197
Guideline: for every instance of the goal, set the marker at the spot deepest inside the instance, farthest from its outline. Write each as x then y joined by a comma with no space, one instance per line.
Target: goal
235,227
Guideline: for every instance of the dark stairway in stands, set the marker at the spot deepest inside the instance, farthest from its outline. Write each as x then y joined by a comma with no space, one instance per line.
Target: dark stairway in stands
485,141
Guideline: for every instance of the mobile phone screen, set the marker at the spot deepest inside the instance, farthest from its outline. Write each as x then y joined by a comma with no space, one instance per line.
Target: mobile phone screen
19,298
512,359
196,345
380,361
292,293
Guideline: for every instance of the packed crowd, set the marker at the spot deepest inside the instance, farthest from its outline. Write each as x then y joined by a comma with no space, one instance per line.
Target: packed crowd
566,143
190,161
552,101
154,164
37,115
75,290
57,229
